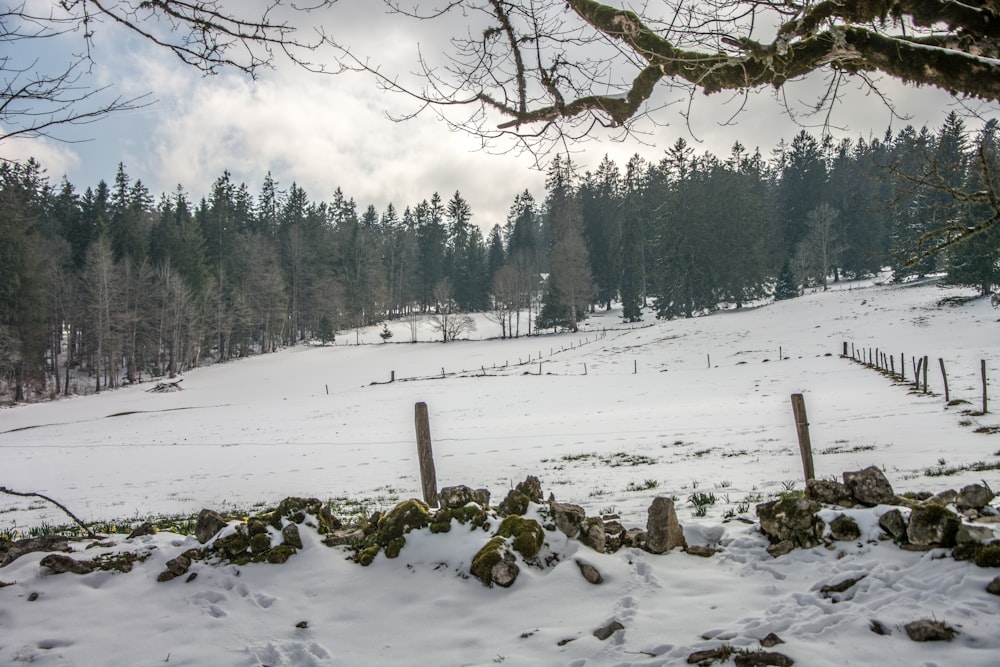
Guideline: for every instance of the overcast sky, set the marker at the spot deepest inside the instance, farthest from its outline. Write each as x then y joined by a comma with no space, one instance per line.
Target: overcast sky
324,132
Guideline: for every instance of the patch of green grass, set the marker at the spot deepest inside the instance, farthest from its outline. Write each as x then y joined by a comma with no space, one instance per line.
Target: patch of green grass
644,486
624,459
942,470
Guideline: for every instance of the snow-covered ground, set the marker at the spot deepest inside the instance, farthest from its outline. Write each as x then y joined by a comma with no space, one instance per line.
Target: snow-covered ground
606,418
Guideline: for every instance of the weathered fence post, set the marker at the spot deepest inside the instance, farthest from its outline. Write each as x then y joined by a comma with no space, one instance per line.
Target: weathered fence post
982,369
709,358
428,478
635,367
845,348
902,366
916,372
802,428
944,379
926,364
392,376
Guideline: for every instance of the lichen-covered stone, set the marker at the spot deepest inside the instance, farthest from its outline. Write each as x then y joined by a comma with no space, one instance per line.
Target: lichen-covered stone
893,523
946,497
993,588
844,529
829,492
453,497
974,496
932,525
568,518
663,530
869,487
33,545
408,515
793,520
208,525
527,535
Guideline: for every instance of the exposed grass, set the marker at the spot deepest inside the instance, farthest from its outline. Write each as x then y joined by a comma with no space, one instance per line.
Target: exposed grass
643,486
942,470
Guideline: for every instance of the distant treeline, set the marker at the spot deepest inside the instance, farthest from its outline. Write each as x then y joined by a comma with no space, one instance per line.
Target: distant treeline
115,285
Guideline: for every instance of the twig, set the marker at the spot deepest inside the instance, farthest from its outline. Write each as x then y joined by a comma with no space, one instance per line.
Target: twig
90,533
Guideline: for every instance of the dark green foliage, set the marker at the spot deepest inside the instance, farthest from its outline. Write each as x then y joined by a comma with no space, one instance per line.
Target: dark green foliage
786,288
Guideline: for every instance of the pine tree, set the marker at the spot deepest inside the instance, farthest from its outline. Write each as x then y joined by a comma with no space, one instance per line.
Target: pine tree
786,287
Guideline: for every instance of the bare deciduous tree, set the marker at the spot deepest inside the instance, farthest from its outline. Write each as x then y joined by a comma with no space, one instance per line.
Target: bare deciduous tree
448,320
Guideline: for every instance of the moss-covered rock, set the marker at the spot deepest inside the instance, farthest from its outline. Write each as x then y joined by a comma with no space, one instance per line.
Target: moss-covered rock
516,502
394,525
260,542
280,554
472,515
495,564
989,556
367,555
290,536
527,535
256,526
295,510
232,545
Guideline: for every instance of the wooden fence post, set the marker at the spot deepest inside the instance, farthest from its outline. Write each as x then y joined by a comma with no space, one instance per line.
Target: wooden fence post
428,478
845,348
926,364
802,429
944,378
902,366
982,369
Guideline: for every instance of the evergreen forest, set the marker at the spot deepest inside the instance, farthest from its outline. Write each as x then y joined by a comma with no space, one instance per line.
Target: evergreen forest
116,285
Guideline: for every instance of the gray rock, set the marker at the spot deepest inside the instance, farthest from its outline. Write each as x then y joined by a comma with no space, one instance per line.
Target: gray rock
829,492
893,523
505,572
771,640
974,496
568,518
762,659
973,534
290,536
946,497
791,519
606,631
994,586
932,525
532,488
482,496
592,534
663,530
208,526
634,537
844,529
453,497
869,487
589,572
59,564
697,550
143,529
350,535
781,548
33,545
175,568
927,630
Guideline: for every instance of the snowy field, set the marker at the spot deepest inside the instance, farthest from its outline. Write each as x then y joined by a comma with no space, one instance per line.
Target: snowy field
607,418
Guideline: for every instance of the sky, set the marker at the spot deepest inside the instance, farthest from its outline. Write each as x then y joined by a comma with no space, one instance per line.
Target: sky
323,132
